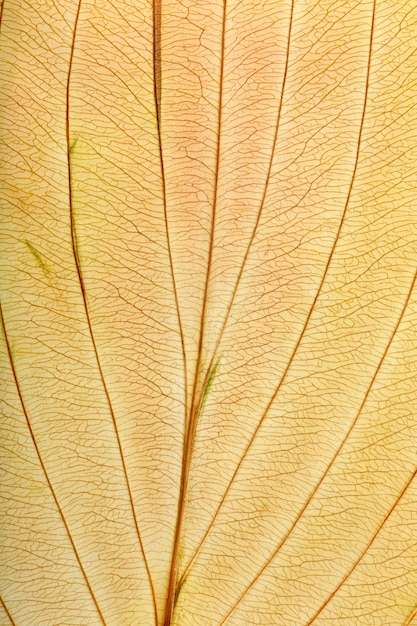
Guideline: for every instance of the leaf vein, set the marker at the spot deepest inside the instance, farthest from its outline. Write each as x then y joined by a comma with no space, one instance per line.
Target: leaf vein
44,470
6,610
196,401
229,308
87,313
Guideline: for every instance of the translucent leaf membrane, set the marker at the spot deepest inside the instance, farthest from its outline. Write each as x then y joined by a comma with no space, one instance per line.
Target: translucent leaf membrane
208,313
298,214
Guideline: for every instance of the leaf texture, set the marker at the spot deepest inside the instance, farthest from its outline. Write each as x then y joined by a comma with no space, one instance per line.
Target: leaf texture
208,312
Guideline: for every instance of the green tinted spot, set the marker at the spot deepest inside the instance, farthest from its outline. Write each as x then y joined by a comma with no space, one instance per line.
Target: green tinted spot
209,383
38,257
178,591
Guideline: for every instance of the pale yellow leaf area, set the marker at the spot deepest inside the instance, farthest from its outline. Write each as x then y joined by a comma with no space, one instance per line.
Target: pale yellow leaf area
208,313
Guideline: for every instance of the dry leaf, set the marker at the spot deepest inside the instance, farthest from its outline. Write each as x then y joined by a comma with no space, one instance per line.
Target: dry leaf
209,306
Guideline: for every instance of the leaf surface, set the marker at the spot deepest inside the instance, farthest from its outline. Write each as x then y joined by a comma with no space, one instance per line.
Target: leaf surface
208,311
